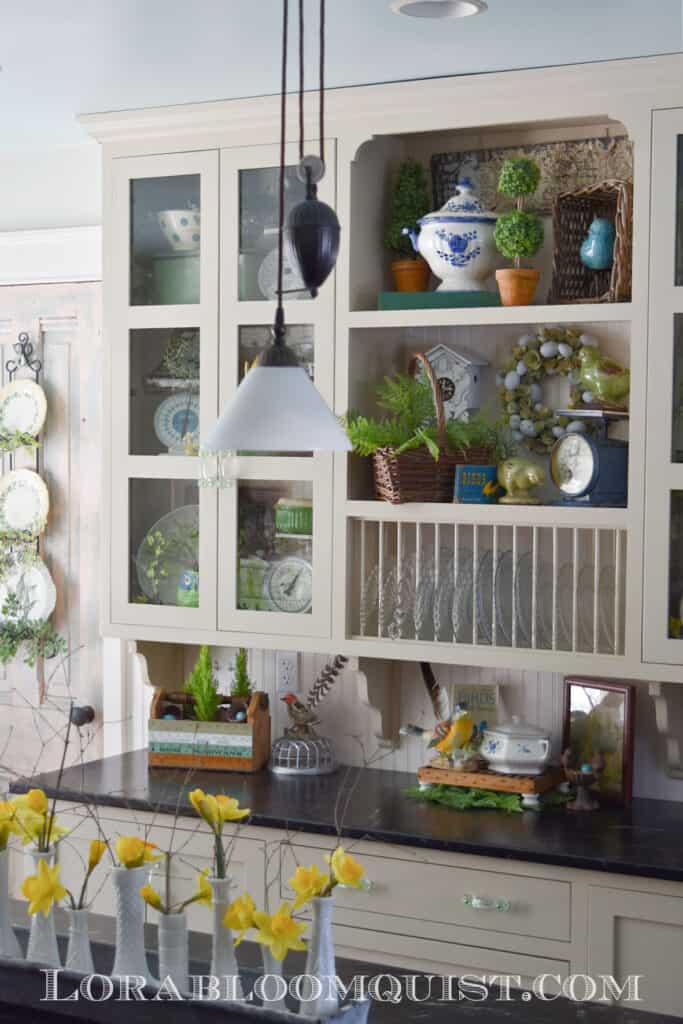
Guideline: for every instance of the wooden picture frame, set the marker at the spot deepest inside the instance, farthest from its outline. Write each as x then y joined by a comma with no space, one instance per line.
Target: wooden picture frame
611,707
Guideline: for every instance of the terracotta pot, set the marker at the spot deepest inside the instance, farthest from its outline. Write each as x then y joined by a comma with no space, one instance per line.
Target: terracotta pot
517,286
410,275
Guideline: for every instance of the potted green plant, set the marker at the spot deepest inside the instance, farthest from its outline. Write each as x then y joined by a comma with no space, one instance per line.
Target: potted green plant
414,450
519,233
409,202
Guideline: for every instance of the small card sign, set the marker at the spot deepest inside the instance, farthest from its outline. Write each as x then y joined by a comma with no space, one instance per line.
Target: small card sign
482,700
476,485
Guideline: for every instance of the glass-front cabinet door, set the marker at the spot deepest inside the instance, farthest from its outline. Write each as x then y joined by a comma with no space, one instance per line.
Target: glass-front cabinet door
275,518
663,542
162,316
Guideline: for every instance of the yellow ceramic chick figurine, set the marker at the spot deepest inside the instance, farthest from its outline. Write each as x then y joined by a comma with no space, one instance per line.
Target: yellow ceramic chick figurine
459,734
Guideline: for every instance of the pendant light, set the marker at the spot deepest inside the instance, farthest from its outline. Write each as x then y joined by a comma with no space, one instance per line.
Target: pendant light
277,408
313,227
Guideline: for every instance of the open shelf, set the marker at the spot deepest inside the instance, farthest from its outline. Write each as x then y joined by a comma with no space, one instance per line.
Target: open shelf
494,316
518,515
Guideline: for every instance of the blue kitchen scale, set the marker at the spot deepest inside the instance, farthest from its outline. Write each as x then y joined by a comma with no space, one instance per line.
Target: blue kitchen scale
591,471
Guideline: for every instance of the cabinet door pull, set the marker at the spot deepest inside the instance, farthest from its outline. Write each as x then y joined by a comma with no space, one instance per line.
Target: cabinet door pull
479,903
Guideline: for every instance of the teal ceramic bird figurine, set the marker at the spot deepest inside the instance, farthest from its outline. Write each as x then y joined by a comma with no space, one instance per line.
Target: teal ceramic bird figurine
187,594
597,248
606,380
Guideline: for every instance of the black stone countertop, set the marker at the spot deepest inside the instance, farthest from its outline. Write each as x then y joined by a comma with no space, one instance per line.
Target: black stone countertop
645,840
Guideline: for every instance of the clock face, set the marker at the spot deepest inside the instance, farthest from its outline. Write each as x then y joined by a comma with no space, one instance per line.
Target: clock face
288,585
572,464
447,388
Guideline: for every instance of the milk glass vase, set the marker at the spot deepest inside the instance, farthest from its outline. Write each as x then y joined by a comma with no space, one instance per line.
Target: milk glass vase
9,945
42,938
223,959
274,967
78,950
173,949
320,961
130,956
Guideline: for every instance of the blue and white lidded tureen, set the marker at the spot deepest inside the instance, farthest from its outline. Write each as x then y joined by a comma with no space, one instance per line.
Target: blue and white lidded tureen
457,241
516,748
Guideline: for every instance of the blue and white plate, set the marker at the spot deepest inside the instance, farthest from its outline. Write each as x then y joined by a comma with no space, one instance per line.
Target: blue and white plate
175,418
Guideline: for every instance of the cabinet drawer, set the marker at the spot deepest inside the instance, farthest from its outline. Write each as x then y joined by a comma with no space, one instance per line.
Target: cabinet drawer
536,907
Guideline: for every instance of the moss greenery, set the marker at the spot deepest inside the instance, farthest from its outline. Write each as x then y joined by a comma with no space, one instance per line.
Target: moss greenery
519,234
36,637
412,422
410,202
201,684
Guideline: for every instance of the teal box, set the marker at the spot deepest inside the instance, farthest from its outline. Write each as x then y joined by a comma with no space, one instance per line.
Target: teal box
476,485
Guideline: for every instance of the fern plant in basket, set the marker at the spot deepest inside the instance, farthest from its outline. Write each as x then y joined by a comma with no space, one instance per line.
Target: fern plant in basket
414,451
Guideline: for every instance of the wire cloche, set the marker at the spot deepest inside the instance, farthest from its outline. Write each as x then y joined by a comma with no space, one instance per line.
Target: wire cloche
303,756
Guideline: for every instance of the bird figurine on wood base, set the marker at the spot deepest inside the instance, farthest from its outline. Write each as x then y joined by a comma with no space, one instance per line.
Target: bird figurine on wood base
453,738
303,718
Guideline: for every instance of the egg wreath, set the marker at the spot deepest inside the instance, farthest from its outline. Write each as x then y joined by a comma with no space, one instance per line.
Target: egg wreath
550,352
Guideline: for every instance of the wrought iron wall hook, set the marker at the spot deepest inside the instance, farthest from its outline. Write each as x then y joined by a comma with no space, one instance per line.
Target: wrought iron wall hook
25,356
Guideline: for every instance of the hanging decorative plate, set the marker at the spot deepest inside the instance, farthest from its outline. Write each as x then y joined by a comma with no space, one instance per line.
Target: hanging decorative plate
24,502
292,281
33,587
175,417
23,408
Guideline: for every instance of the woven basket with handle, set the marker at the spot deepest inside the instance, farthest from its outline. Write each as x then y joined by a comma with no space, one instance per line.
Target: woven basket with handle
415,475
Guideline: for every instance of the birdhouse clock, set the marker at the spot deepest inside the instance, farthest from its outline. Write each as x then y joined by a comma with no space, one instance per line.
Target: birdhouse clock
459,379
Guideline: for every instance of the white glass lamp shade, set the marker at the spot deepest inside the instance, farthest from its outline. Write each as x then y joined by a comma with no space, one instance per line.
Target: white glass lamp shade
277,409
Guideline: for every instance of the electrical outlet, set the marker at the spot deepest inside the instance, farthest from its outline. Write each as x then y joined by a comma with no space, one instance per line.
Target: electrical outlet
287,671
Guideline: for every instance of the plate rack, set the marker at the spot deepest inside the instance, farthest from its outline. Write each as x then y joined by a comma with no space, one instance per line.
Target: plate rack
494,583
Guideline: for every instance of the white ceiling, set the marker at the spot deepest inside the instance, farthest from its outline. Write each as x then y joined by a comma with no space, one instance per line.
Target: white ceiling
62,57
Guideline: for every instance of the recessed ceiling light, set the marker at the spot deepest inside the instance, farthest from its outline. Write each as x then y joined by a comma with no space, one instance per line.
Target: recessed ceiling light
439,8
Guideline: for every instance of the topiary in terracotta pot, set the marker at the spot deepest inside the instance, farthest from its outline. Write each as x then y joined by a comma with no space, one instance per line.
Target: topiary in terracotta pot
518,233
410,201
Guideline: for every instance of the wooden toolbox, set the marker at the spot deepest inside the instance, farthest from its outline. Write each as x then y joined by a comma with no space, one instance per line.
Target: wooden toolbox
216,746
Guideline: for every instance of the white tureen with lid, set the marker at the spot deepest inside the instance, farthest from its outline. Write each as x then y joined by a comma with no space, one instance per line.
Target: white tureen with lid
457,241
516,748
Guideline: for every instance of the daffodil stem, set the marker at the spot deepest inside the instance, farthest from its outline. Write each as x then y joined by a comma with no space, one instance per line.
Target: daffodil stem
220,855
44,844
81,896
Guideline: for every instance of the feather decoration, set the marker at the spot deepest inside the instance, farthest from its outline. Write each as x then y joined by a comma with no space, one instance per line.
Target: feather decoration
326,678
436,693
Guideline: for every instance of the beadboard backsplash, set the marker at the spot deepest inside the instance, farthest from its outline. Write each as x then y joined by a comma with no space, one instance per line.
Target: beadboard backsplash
536,696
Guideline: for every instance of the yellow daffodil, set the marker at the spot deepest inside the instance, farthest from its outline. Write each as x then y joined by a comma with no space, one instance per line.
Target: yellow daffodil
307,883
206,807
97,849
280,932
239,917
8,825
43,889
346,870
151,897
133,852
230,810
35,800
204,894
32,827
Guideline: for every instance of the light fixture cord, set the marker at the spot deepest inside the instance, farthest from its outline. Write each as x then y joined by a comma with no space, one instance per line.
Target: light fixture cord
279,314
321,85
322,81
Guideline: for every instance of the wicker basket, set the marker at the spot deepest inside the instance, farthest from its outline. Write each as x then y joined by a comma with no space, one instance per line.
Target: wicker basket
572,216
415,475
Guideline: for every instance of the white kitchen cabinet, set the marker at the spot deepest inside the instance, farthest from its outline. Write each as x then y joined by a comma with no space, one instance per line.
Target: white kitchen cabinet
572,596
639,935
